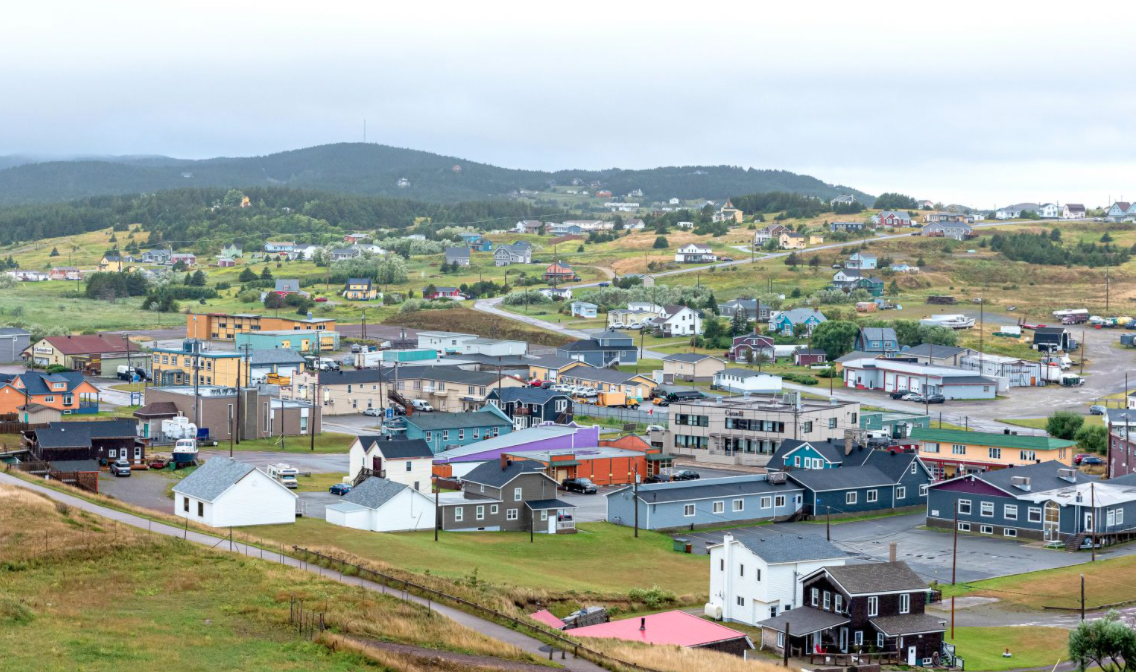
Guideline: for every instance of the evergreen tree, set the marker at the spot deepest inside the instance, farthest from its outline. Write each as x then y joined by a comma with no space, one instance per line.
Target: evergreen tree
198,279
54,252
247,275
266,274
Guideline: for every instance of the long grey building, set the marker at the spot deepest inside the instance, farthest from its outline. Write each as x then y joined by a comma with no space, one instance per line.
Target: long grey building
706,502
13,341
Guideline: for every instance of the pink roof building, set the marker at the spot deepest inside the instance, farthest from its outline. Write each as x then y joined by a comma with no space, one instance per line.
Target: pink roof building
548,618
676,628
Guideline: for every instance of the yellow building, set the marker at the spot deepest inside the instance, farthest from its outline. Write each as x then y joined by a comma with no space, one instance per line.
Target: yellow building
954,452
177,367
788,240
360,289
224,327
112,265
551,368
815,239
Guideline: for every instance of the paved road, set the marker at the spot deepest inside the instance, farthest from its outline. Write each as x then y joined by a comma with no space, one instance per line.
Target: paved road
489,628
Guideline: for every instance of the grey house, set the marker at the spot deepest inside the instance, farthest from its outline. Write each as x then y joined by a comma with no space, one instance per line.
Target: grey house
607,349
751,309
519,252
507,496
532,406
13,341
1049,501
458,255
706,502
876,340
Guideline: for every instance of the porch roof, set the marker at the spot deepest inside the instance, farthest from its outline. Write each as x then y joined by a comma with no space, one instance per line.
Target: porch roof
804,621
545,504
907,624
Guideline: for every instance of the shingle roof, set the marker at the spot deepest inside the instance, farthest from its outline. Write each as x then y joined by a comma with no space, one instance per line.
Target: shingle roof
35,383
831,451
448,374
217,475
545,504
591,344
266,357
893,463
706,488
373,492
876,577
612,376
396,449
907,624
493,475
878,333
435,421
356,376
777,547
927,350
1043,476
742,373
526,395
156,409
79,434
80,345
687,357
551,361
990,439
820,480
805,621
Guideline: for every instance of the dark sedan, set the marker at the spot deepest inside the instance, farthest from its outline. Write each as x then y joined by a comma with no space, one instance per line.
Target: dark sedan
581,485
685,475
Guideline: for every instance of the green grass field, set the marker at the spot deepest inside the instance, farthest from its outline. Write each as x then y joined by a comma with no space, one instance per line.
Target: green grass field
1105,583
982,648
327,442
601,558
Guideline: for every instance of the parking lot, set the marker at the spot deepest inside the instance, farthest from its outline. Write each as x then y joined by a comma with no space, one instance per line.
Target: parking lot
928,551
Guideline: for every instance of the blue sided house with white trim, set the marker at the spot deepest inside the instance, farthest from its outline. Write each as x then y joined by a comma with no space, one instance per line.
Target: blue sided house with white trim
706,502
796,454
868,481
442,431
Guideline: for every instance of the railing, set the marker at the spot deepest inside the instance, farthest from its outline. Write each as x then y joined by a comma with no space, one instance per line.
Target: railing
565,524
850,659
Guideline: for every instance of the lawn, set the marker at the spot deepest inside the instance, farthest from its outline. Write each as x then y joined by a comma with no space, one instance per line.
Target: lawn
601,558
318,482
104,597
1031,646
327,442
1061,587
1040,423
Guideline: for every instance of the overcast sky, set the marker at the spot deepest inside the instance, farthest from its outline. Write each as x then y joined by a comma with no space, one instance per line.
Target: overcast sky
984,103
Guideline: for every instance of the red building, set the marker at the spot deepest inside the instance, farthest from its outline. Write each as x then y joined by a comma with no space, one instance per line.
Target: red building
809,357
443,293
603,194
558,272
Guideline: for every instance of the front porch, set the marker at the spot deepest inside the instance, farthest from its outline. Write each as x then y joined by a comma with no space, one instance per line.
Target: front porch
552,516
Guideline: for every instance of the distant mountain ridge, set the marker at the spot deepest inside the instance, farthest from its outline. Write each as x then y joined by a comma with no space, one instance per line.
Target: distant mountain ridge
378,170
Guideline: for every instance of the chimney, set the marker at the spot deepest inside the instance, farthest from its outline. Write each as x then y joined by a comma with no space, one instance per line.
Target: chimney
504,461
642,623
847,443
891,552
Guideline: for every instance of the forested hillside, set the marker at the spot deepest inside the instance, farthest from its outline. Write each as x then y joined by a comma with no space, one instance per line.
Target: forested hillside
206,218
375,170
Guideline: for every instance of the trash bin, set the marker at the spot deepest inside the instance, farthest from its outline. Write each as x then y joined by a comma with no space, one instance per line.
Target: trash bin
680,545
690,548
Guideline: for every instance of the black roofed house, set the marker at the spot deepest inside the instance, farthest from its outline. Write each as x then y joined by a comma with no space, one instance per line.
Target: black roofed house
706,502
606,349
936,355
519,252
856,607
1053,338
507,495
101,440
405,461
151,415
381,505
532,406
751,309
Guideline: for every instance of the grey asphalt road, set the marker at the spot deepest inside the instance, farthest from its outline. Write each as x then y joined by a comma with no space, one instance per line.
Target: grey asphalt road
929,551
142,488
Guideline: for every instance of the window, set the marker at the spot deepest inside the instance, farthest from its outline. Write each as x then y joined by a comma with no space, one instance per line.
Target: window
480,512
807,426
838,603
408,465
1120,516
112,453
185,504
476,432
923,490
1009,532
201,509
879,640
781,640
757,574
986,529
858,638
544,514
815,597
964,527
964,507
719,507
1028,456
516,494
49,398
986,509
461,435
873,605
797,461
901,492
458,513
739,505
779,501
741,601
914,467
930,448
445,435
722,565
493,510
688,510
873,496
827,600
1034,514
741,570
850,498
905,603
995,453
1010,512
511,514
766,502
832,423
958,449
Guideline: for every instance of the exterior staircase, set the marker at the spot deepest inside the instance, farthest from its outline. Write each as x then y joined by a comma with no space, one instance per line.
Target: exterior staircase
1073,543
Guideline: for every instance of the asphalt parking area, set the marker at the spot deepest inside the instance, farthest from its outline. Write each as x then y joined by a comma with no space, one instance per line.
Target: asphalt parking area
928,552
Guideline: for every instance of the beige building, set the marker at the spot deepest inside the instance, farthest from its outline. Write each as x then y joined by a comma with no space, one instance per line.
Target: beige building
690,367
788,240
447,389
747,430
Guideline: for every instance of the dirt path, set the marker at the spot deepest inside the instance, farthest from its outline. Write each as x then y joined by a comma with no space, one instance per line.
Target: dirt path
428,655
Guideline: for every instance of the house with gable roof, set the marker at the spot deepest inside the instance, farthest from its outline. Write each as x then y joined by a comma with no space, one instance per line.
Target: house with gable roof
226,493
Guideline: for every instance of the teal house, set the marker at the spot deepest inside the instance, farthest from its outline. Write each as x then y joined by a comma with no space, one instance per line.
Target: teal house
478,242
898,425
412,355
785,322
874,285
442,431
298,340
794,455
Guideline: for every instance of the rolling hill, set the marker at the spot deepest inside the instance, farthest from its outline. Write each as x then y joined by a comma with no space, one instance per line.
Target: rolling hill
376,170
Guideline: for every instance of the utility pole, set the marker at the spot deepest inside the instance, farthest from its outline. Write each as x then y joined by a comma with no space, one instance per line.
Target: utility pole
1084,348
1093,533
828,523
315,388
196,349
1082,598
364,324
437,507
954,566
282,446
635,501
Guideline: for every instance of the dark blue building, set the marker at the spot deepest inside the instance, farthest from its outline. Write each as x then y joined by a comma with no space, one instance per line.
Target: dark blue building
869,480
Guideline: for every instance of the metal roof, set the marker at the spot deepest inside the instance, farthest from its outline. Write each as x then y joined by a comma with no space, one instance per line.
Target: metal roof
1027,442
805,621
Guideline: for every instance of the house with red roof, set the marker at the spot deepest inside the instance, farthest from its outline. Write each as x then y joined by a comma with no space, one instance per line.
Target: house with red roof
557,272
671,628
76,351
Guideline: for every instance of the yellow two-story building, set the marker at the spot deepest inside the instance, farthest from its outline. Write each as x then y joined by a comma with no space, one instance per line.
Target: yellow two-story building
955,452
360,289
212,367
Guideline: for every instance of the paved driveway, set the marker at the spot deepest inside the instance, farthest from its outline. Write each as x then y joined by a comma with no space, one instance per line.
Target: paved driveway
928,551
314,503
302,460
142,488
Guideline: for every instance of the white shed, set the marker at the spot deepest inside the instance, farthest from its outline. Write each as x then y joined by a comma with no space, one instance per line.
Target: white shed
227,493
380,505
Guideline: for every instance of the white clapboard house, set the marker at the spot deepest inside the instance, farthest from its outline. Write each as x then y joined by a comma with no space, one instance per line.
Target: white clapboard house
226,493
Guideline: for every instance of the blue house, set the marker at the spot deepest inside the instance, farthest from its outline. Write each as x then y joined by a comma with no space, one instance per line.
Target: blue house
442,431
1047,501
876,340
477,241
794,454
610,347
785,322
871,480
705,502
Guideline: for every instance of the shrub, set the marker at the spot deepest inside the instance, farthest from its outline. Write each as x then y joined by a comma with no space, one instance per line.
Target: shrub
654,597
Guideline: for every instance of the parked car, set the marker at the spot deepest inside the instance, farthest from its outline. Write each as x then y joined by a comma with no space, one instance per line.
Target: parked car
1080,456
120,467
685,475
725,258
913,397
536,383
605,284
1091,459
339,489
899,394
659,401
936,399
321,299
421,405
373,412
655,428
581,485
656,478
1096,409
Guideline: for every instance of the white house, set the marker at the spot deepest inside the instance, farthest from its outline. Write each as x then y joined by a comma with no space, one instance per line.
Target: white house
226,493
645,307
1049,210
693,253
449,342
679,321
584,309
745,381
1072,211
754,575
557,293
382,505
494,347
405,461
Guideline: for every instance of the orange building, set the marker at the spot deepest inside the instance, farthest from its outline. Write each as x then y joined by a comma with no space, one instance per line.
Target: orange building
224,327
614,462
65,392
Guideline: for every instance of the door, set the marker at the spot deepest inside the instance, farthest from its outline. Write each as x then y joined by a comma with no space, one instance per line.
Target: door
1089,521
911,655
844,640
1052,525
377,464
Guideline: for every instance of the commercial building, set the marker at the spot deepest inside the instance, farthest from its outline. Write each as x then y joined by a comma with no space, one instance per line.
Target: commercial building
746,381
260,413
952,452
84,353
195,363
747,430
459,460
891,375
225,327
304,341
634,385
343,392
896,424
707,502
444,431
691,367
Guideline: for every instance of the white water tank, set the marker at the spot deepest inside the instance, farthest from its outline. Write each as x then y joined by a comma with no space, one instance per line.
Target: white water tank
713,611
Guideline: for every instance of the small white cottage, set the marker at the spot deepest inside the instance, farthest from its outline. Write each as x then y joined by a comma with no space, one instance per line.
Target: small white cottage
227,493
381,505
